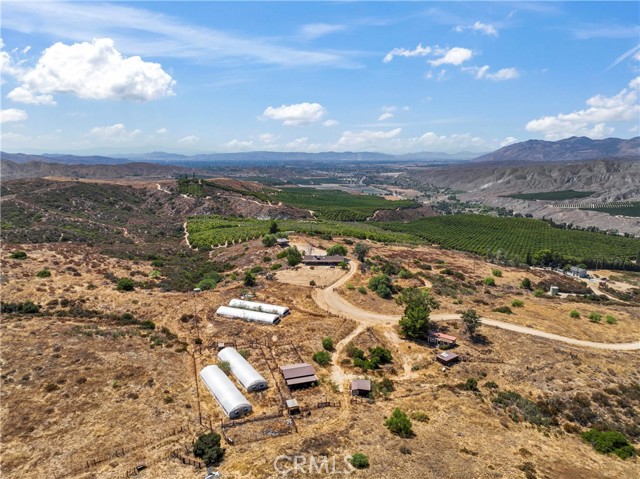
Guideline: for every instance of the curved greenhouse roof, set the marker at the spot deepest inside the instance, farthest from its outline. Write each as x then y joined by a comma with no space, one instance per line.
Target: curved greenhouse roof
247,315
281,311
230,399
242,370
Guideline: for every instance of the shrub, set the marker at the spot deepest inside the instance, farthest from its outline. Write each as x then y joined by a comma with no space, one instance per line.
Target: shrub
489,281
503,310
526,284
610,319
323,358
312,283
491,385
207,284
44,273
154,274
419,416
249,279
606,442
350,286
50,387
405,450
18,255
383,388
157,263
275,266
595,317
224,366
496,272
26,307
125,284
471,384
256,269
294,257
517,303
147,324
337,250
282,254
399,423
327,343
359,460
574,314
268,241
266,259
381,285
207,448
538,293
362,290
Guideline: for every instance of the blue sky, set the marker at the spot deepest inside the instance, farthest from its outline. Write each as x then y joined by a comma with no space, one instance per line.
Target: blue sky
304,76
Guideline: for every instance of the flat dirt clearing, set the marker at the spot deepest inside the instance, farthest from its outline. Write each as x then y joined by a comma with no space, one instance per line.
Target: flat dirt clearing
302,275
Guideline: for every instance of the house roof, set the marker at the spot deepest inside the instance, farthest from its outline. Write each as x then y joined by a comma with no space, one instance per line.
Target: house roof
361,385
291,403
445,337
292,371
323,259
447,356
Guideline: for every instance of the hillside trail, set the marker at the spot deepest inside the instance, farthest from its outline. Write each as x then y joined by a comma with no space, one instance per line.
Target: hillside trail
329,300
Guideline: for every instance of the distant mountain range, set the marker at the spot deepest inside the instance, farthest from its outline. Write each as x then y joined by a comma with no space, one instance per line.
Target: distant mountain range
570,149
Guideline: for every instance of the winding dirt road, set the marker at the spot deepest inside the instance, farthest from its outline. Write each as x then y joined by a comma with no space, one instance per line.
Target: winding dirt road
329,300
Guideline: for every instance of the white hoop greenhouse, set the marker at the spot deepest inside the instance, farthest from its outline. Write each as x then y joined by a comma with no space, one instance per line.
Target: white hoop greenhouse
281,311
230,399
247,315
242,370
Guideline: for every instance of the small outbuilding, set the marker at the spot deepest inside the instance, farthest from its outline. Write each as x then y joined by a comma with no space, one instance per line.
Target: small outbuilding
441,338
579,272
283,242
361,387
230,399
313,260
299,375
246,375
447,358
281,311
292,406
247,315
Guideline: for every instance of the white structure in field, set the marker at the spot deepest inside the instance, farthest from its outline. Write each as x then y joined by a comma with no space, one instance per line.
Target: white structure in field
256,316
230,399
242,370
281,311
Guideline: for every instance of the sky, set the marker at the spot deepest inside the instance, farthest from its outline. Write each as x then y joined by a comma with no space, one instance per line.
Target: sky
394,77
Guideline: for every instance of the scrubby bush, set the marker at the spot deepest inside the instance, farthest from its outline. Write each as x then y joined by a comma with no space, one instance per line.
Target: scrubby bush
275,266
489,281
362,290
610,319
381,285
147,324
538,293
249,279
44,273
595,317
312,283
125,284
359,460
256,269
526,284
606,442
399,423
327,343
224,366
503,310
266,259
269,240
419,416
574,314
496,272
18,255
207,448
517,303
323,358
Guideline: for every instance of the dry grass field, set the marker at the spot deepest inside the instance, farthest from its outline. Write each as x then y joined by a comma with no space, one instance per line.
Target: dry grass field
88,394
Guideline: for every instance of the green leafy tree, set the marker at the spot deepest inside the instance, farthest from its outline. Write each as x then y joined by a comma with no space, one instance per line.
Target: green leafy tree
471,321
249,279
273,227
381,285
207,448
399,423
418,306
323,358
269,240
526,284
294,257
606,442
337,249
360,250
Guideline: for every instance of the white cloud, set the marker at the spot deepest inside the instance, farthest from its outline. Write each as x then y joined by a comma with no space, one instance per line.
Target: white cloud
329,123
418,51
239,145
483,73
93,70
12,115
268,137
452,56
316,30
635,51
302,144
484,28
385,116
116,133
162,131
366,138
637,56
592,121
296,114
189,140
451,143
23,95
510,140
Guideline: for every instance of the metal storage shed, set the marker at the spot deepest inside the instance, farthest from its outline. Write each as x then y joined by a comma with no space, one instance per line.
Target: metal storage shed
242,370
247,315
230,399
281,311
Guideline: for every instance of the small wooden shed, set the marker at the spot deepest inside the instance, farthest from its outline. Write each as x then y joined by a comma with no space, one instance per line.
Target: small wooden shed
361,387
447,358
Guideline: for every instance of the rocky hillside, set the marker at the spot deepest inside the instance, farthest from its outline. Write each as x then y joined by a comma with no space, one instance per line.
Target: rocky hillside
570,149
